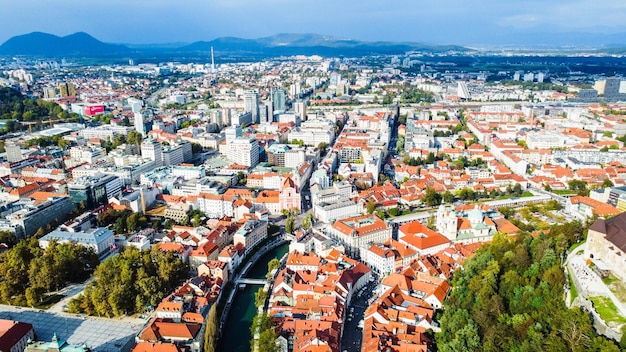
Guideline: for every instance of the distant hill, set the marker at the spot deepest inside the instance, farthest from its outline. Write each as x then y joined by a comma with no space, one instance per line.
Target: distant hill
310,44
82,44
44,44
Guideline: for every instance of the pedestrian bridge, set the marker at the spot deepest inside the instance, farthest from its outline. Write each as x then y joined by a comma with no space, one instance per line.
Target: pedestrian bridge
251,281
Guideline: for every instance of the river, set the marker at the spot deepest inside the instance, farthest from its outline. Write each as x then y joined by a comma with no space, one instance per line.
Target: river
236,334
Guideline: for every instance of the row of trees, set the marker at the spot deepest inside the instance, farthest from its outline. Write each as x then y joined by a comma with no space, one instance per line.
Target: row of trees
46,141
27,271
211,333
263,334
262,331
509,297
133,137
130,282
122,221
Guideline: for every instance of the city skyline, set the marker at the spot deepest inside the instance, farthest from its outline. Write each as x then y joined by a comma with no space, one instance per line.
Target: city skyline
451,22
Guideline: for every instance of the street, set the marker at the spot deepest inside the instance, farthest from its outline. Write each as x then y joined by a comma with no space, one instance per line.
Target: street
352,333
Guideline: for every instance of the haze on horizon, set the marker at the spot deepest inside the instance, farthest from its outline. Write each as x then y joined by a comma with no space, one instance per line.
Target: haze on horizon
464,22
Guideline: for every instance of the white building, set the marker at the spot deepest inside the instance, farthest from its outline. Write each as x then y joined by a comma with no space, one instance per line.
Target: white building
300,108
244,151
152,149
329,212
101,239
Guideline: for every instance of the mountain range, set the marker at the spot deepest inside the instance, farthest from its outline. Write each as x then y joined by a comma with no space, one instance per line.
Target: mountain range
83,44
286,44
44,44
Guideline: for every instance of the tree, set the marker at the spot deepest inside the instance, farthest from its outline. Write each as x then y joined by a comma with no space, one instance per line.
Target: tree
370,206
517,190
211,332
129,282
607,183
306,222
323,146
196,148
510,297
134,137
447,197
579,186
132,222
430,159
400,144
289,224
34,295
266,340
431,197
8,238
259,297
196,220
273,265
431,221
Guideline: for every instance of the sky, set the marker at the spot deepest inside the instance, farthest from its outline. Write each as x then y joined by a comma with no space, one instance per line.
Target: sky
436,22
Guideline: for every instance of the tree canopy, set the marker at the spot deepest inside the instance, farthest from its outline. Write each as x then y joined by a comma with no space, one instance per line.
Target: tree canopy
28,271
18,107
129,282
509,297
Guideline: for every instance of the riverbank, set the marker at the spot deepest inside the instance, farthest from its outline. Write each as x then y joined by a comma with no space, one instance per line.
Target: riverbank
237,316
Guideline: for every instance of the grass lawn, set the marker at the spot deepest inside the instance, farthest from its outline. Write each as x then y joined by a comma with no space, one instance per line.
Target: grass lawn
49,300
564,192
572,288
607,310
609,279
617,286
575,245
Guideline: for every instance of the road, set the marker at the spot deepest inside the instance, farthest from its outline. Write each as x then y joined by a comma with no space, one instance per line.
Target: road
352,334
154,96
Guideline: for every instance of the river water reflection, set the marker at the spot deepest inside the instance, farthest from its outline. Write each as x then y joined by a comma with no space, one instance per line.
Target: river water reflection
236,334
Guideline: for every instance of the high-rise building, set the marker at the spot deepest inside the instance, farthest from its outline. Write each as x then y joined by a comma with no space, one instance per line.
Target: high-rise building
94,191
67,90
14,152
462,91
242,119
139,124
529,77
266,113
135,104
279,99
300,108
251,104
177,154
233,132
541,77
611,88
244,151
226,116
599,86
153,150
49,93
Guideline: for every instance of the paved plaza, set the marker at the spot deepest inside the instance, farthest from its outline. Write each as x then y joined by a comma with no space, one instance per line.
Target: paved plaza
96,333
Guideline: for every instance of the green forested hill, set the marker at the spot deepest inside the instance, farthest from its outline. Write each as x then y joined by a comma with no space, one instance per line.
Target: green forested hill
510,297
